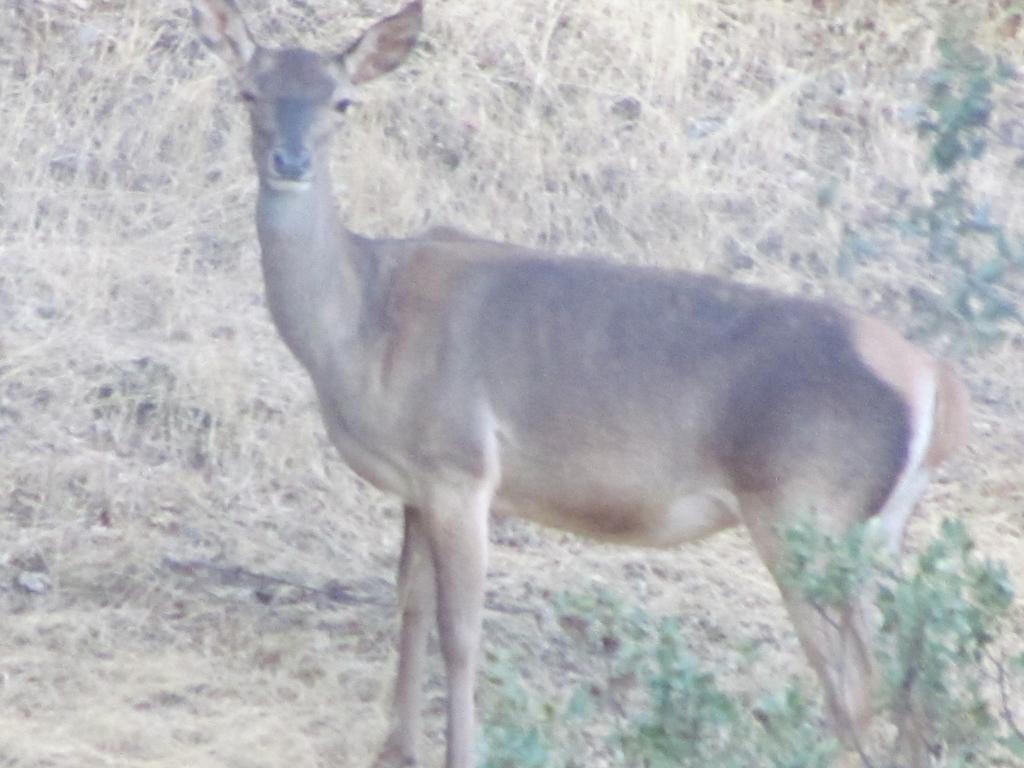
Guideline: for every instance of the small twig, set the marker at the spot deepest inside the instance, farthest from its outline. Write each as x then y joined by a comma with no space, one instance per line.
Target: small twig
822,611
1004,695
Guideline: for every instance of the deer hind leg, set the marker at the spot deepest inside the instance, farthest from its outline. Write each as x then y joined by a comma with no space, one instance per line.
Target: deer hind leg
889,526
838,643
416,600
455,520
839,646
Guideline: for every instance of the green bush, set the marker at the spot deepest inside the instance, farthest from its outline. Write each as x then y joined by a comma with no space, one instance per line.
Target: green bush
647,702
956,227
941,657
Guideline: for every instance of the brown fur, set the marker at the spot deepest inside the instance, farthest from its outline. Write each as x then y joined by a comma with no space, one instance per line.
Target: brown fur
952,416
415,299
901,364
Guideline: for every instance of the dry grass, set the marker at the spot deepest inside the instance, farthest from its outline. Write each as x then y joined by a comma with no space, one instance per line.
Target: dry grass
219,584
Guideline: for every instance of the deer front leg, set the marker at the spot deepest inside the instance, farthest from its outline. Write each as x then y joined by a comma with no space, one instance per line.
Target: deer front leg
456,524
416,603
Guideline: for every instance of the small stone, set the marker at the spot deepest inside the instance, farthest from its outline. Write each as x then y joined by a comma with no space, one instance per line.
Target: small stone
770,244
33,582
738,259
628,108
337,591
700,128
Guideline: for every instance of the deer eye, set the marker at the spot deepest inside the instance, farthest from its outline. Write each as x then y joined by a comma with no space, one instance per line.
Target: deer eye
342,105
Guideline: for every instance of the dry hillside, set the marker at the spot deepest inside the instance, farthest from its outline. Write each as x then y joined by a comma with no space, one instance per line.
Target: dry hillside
188,574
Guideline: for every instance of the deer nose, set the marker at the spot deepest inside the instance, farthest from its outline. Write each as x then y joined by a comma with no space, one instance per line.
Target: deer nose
291,163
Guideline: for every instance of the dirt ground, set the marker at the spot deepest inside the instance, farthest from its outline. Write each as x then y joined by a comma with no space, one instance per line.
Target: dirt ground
189,576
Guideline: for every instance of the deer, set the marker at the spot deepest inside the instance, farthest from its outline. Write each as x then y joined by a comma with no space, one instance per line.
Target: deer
631,404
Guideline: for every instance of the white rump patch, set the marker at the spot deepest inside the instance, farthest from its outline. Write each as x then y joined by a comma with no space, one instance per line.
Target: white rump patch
892,518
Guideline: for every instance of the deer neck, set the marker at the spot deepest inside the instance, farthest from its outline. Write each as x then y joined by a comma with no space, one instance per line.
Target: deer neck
315,271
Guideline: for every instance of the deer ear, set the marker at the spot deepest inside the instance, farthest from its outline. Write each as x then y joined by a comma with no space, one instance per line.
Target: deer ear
384,45
223,29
